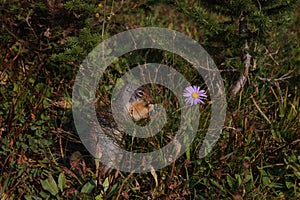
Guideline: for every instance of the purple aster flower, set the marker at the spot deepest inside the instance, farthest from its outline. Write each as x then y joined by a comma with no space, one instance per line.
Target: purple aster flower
194,95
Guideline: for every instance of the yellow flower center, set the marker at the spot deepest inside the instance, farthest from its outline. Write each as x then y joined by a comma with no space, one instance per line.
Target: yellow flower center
195,95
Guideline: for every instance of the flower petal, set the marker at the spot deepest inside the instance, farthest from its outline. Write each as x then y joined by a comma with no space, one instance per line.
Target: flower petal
194,99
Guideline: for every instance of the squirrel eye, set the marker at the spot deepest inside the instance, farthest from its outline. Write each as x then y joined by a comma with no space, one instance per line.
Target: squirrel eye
140,93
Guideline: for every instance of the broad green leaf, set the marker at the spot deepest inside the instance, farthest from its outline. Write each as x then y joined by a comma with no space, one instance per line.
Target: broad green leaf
44,195
31,197
297,174
99,197
230,181
105,184
248,177
88,187
61,181
218,185
16,87
31,80
289,184
239,179
50,185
